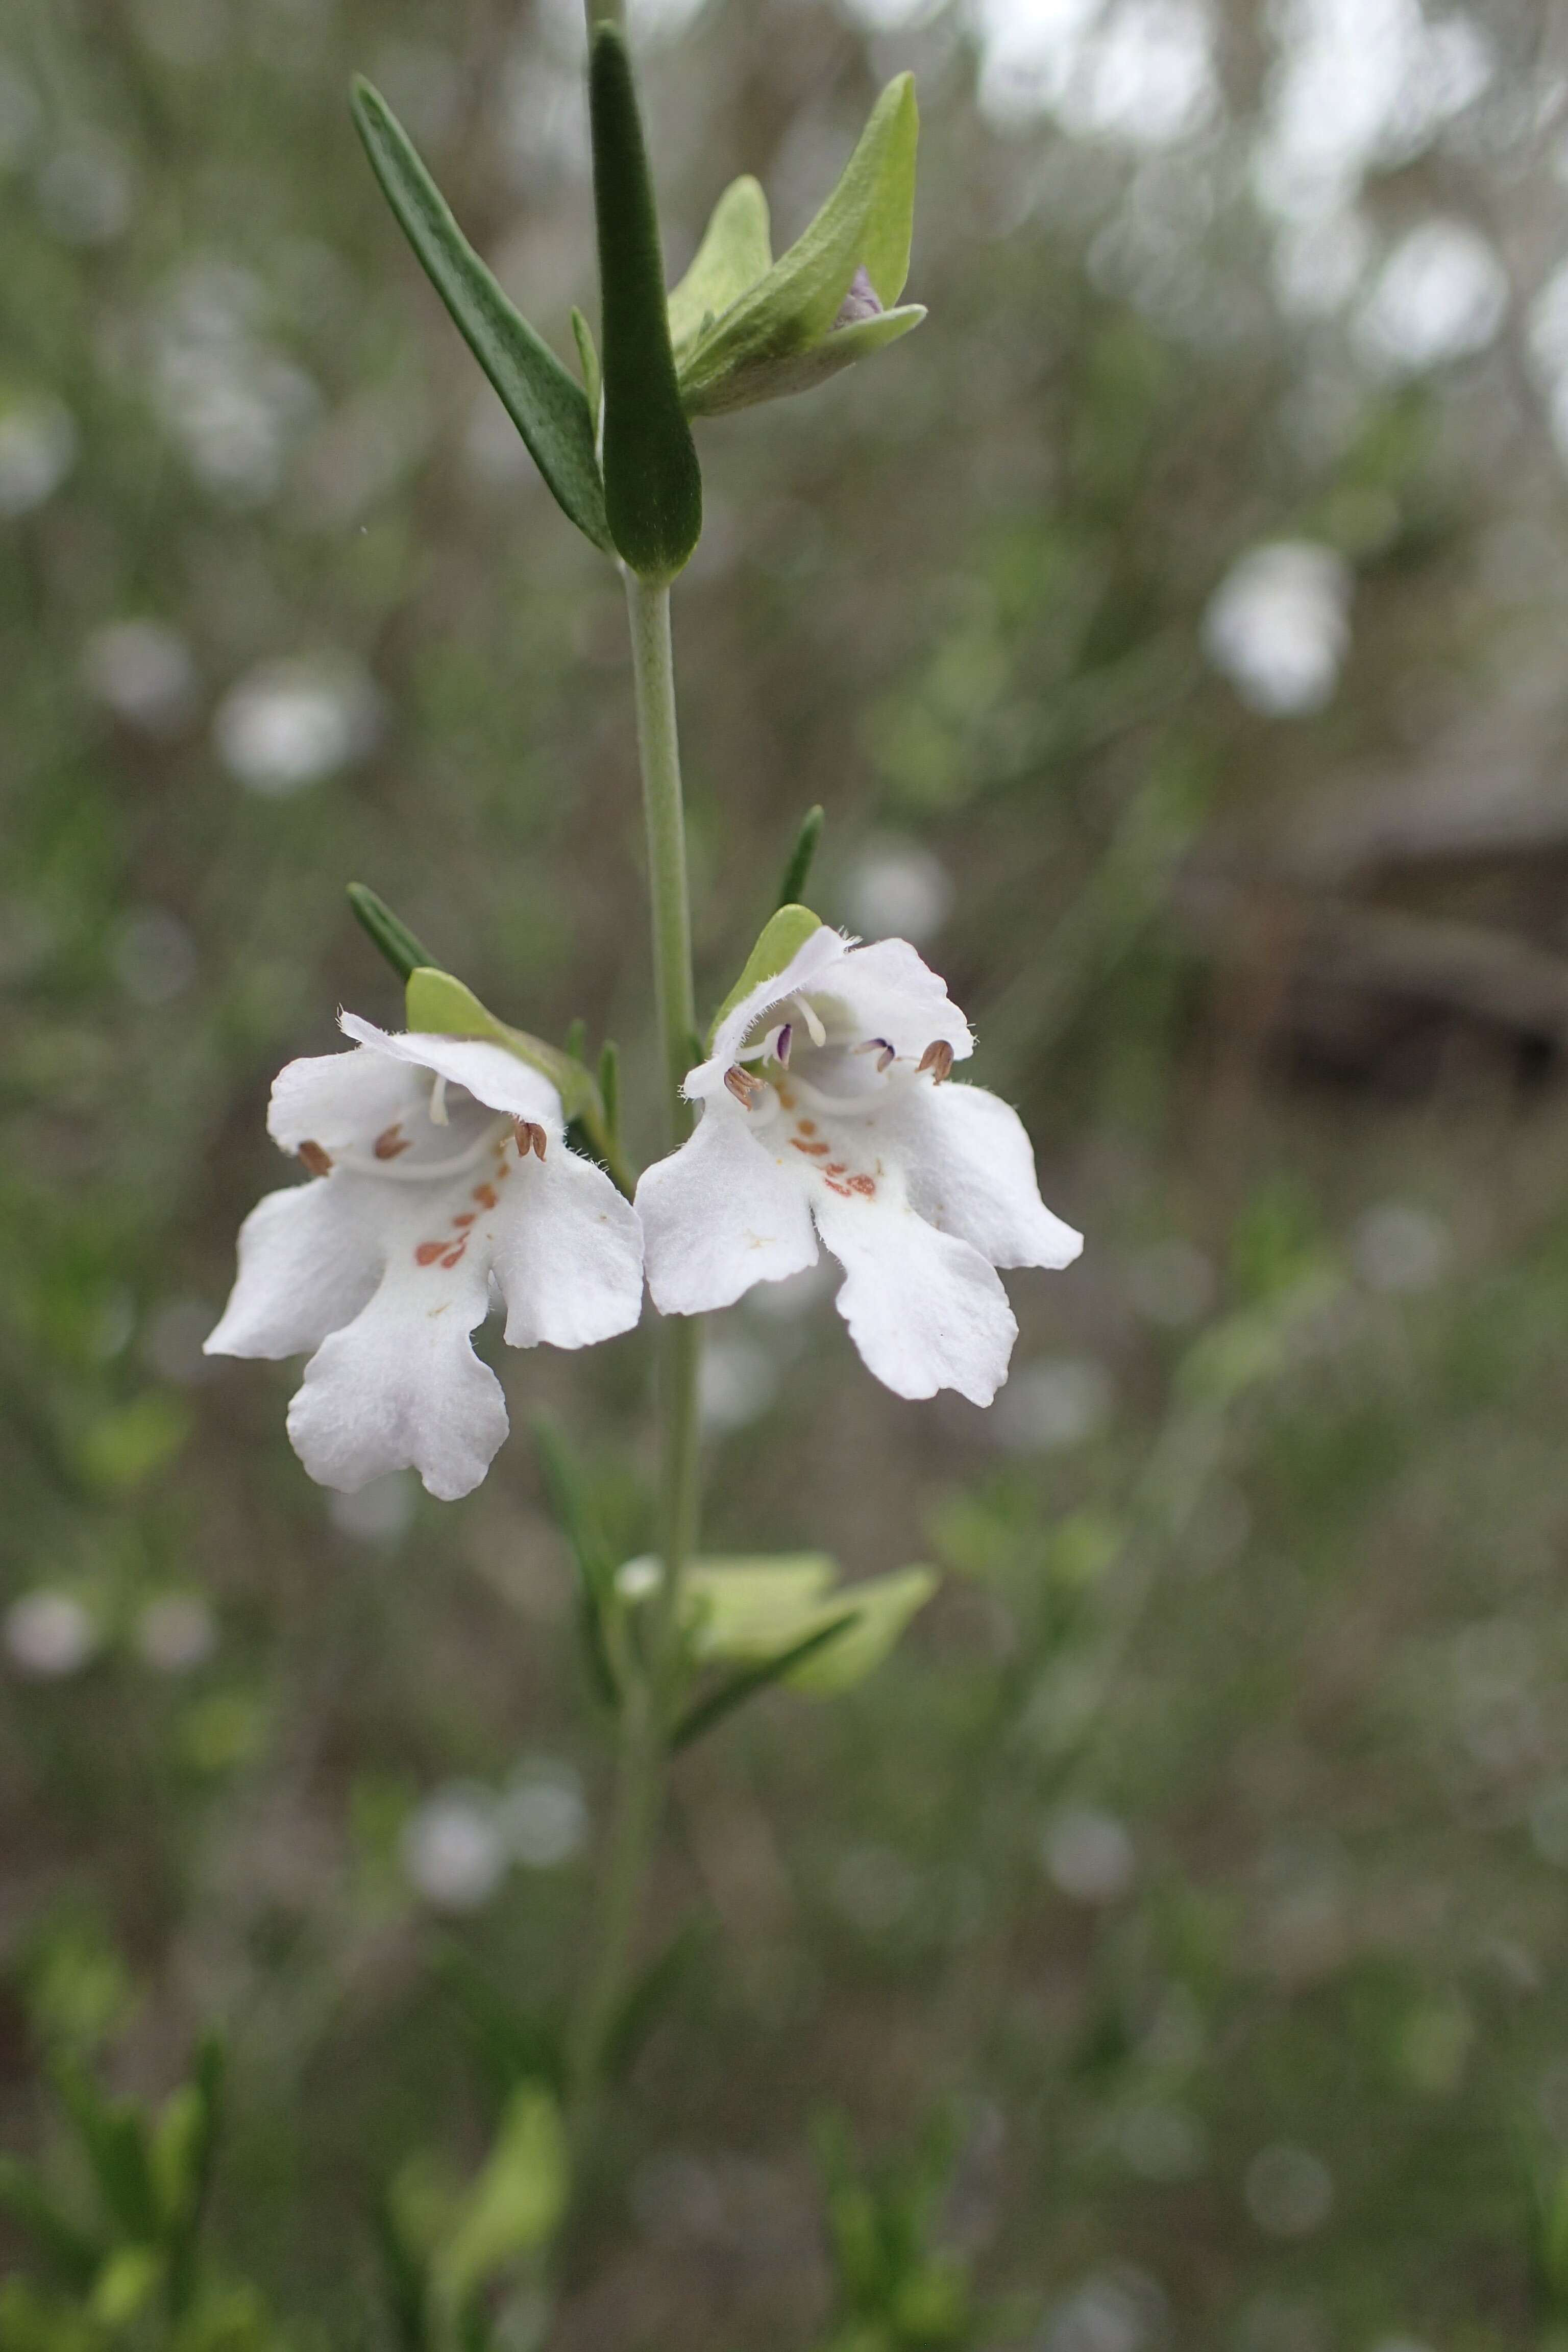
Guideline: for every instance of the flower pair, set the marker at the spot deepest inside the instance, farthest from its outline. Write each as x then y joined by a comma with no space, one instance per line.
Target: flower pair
443,1180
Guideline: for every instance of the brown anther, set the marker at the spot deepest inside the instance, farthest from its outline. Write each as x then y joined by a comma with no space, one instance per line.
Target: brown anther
938,1059
530,1136
391,1141
317,1161
742,1086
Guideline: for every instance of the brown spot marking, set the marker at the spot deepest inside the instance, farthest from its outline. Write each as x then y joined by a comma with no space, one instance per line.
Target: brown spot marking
865,1186
485,1194
462,1222
452,1258
837,1168
812,1150
317,1161
391,1141
804,1126
428,1252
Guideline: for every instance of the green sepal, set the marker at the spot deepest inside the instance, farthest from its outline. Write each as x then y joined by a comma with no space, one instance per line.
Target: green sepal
761,1610
837,351
865,224
439,1006
802,857
588,360
783,936
516,2204
386,932
653,486
735,252
546,403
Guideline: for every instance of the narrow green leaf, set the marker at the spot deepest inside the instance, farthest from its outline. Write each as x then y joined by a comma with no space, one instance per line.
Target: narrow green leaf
735,251
653,488
575,1042
610,1086
546,403
864,225
112,2137
639,2012
797,872
786,931
588,360
734,1694
574,1513
386,932
403,2276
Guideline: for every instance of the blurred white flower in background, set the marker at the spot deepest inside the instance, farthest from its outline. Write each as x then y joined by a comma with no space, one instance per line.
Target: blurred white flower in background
1289,2192
235,404
1399,1245
897,890
37,450
1117,2309
454,1853
542,1816
1359,84
1141,71
1319,263
381,1512
85,193
48,1634
1278,626
1053,1403
1088,1854
21,116
177,1633
143,672
1441,295
153,955
737,1383
295,722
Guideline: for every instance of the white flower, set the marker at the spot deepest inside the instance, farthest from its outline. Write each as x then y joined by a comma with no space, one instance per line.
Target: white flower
440,1169
823,1101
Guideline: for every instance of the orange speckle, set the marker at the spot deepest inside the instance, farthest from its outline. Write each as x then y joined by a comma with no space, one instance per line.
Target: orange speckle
866,1185
834,1186
462,1222
805,1126
428,1252
451,1259
788,1100
837,1168
485,1194
812,1151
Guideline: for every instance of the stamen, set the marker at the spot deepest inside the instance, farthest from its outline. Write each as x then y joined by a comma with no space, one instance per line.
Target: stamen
813,1028
882,1049
317,1161
530,1136
742,1086
391,1141
438,1102
781,1050
938,1059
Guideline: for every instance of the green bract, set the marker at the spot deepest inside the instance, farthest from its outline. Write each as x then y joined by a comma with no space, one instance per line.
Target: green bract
746,328
440,1006
546,403
783,936
752,1610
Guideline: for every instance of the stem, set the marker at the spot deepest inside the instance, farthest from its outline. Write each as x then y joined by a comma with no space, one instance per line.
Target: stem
646,1714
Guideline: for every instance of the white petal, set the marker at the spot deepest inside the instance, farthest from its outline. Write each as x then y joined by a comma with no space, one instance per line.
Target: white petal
925,1310
401,1386
887,991
491,1073
339,1099
308,1262
970,1168
815,957
567,1252
721,1214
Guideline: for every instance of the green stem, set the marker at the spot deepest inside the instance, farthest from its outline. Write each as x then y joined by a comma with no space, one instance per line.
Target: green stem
647,1713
